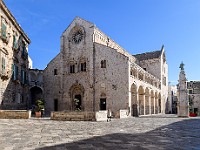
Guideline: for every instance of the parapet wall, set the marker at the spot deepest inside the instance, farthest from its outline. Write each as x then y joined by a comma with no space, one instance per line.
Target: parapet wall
15,114
73,116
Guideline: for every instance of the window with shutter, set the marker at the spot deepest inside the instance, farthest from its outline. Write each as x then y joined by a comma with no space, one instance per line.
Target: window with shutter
3,31
3,67
15,43
14,72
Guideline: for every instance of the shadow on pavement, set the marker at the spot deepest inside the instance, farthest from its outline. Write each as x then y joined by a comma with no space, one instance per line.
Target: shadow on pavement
180,135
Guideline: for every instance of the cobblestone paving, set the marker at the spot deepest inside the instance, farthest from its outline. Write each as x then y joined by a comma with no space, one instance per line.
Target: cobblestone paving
158,132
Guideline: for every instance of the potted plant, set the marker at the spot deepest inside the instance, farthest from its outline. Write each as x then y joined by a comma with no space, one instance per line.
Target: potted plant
39,108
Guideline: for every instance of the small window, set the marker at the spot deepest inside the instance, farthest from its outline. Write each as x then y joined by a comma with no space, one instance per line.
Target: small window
190,92
55,72
83,66
72,68
103,64
131,72
145,69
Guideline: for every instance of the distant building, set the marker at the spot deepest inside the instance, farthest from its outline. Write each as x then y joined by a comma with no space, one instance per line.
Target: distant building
13,62
93,73
193,88
172,100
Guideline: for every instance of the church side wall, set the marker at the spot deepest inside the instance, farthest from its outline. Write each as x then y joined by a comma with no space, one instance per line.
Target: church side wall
153,66
111,82
52,84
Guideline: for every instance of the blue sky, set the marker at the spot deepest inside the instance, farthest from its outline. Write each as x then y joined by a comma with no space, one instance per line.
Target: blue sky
137,25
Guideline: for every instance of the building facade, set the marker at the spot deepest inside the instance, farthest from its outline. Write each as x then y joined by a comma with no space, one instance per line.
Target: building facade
14,62
172,100
93,73
193,88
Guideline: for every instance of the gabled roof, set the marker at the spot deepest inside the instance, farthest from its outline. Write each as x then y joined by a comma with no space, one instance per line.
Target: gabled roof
148,55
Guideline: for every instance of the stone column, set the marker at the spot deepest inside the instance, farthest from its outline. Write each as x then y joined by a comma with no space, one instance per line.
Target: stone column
144,99
183,104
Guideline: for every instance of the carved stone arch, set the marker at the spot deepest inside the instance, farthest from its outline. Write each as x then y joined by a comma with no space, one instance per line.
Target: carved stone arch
134,100
103,95
141,93
36,93
76,93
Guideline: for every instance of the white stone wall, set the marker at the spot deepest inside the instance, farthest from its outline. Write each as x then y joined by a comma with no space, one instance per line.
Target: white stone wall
112,80
52,83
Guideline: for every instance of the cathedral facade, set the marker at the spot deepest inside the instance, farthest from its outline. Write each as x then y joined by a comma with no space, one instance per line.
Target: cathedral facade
93,73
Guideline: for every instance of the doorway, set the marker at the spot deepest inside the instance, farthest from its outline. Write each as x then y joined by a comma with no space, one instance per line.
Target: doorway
55,104
77,102
103,104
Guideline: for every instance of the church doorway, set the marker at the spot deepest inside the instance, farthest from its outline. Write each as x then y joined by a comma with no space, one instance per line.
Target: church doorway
103,104
77,99
77,96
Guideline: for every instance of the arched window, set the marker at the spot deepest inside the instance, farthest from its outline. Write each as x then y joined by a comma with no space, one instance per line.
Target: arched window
83,66
103,64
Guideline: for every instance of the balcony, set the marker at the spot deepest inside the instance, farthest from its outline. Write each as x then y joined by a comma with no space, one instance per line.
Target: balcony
5,39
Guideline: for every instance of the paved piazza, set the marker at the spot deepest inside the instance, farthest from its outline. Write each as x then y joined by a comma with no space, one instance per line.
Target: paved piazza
158,132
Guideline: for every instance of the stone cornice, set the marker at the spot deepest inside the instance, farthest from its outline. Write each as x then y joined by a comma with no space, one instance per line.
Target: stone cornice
13,20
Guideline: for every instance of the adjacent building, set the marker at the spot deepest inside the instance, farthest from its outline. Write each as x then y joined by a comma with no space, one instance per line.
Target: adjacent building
14,62
172,100
193,88
93,73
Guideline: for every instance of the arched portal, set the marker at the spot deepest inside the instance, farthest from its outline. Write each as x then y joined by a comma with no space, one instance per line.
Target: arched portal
141,100
134,100
36,93
76,95
147,101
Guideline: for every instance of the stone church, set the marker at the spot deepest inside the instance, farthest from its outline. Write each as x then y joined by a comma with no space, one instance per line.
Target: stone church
93,73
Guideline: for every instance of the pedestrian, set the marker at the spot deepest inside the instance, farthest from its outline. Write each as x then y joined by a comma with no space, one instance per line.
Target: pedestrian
109,115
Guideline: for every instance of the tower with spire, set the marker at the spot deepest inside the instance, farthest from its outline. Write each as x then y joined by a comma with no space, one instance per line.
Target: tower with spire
183,104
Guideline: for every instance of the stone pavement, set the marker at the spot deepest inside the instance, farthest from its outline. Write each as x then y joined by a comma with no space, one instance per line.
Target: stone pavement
150,133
